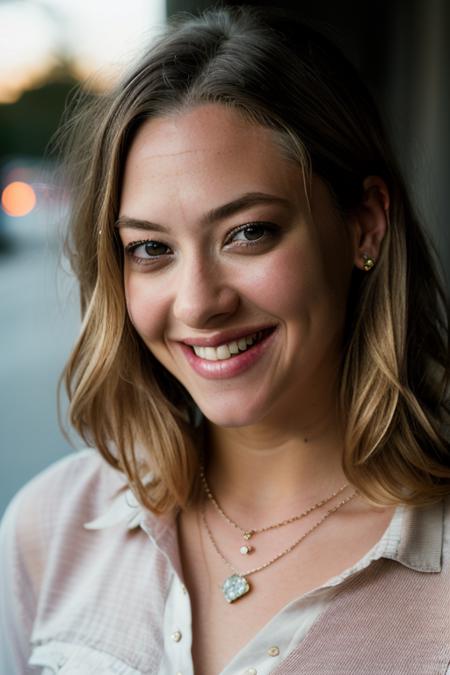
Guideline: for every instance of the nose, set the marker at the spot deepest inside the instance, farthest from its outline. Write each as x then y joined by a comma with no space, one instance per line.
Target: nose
204,295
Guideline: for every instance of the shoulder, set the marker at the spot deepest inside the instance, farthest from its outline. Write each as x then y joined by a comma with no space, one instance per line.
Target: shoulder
83,475
73,560
41,529
79,471
83,480
61,498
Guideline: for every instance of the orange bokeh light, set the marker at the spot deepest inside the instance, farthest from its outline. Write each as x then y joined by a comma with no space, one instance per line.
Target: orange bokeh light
18,199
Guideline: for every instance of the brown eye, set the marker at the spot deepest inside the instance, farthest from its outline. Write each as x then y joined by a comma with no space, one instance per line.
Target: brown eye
147,251
155,248
253,232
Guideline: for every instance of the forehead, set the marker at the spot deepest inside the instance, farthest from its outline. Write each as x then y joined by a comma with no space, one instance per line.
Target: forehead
211,128
206,154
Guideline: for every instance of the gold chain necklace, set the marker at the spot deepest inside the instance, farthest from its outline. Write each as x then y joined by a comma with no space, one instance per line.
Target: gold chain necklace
249,533
237,585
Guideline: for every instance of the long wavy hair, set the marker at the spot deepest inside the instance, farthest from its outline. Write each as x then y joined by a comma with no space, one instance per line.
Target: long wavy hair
394,388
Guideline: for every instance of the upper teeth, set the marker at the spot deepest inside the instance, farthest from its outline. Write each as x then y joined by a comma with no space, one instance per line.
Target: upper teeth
225,351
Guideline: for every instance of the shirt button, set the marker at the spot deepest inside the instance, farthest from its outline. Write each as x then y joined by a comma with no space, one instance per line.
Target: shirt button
176,636
273,651
251,671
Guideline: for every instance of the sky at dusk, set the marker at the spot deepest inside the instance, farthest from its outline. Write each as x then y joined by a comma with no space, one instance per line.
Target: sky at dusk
97,36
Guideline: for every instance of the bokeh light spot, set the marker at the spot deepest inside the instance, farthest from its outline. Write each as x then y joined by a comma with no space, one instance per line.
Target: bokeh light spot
18,199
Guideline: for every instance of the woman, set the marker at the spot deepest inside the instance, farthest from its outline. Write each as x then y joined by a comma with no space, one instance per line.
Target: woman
263,364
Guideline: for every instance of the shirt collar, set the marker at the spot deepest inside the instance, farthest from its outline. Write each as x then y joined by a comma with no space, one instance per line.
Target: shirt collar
125,509
421,538
414,537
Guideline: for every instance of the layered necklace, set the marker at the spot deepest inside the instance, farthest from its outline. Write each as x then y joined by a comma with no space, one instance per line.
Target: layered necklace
236,585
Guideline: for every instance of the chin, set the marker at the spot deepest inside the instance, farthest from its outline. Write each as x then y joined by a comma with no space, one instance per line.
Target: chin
232,414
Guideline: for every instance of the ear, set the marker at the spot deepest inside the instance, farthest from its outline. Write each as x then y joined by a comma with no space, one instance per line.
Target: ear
370,222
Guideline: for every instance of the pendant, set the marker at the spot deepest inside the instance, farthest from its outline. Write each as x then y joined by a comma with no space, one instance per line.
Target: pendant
248,535
235,587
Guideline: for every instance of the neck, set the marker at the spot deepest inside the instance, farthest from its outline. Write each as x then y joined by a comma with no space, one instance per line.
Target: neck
276,469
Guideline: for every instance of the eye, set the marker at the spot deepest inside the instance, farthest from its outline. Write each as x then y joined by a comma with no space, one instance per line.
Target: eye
252,233
146,251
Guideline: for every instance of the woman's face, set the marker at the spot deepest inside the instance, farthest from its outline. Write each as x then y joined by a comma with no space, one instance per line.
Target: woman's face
234,282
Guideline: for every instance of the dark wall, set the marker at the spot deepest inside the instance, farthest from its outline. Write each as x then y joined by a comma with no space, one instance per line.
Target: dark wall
402,49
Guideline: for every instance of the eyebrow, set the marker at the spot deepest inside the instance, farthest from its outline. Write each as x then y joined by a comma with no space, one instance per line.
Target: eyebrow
245,201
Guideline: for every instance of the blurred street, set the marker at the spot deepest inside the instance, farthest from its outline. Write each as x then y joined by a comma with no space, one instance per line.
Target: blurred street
39,322
47,50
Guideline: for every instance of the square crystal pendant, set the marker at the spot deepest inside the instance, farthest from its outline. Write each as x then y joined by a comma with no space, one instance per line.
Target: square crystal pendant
235,587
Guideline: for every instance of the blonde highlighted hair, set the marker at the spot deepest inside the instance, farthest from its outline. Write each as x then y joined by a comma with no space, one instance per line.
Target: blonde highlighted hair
395,366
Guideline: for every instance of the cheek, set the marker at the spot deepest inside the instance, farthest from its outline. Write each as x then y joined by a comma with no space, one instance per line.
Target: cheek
147,308
287,284
301,291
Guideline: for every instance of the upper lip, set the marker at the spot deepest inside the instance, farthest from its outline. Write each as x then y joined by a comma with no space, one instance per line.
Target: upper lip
224,336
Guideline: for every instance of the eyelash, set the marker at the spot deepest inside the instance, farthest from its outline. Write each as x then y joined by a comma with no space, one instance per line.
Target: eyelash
270,233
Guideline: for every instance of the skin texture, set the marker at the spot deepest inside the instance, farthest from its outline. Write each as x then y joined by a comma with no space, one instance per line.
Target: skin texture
178,169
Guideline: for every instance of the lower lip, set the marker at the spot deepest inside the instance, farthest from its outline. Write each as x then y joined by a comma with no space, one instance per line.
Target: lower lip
216,370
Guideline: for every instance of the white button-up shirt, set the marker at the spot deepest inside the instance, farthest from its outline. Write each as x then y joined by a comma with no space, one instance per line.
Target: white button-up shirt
91,583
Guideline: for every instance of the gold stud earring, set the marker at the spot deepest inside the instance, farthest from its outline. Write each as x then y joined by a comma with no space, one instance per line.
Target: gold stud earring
368,262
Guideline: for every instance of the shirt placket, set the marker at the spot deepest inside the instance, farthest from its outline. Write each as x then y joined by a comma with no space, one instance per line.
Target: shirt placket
177,658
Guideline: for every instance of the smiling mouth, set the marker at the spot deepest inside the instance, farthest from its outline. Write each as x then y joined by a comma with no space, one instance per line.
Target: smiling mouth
231,349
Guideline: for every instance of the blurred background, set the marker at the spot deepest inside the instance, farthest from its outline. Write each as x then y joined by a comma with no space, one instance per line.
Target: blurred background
48,47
